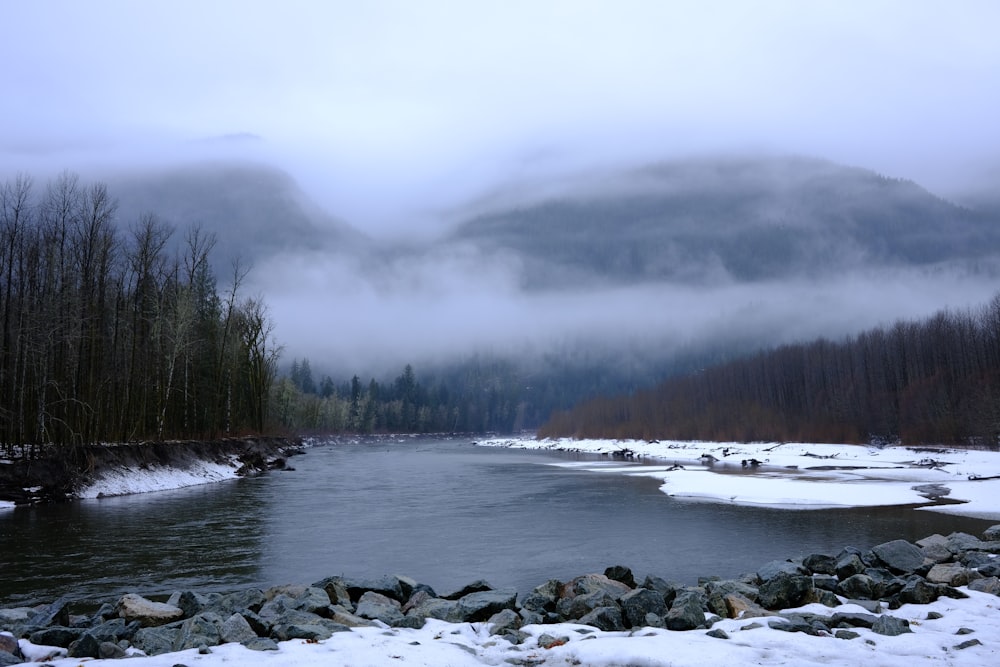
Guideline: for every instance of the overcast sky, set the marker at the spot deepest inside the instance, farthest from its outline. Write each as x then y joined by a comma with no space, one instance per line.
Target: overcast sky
390,111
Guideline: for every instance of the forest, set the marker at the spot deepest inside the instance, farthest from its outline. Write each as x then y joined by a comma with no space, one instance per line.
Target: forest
117,332
930,381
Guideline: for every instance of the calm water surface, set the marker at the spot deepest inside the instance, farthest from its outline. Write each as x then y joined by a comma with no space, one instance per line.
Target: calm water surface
441,511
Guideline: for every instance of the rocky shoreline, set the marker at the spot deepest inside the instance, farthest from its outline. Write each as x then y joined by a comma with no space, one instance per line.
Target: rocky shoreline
59,477
879,581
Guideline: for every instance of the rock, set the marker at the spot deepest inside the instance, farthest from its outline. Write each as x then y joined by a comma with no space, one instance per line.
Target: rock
8,644
849,565
191,603
661,586
778,567
686,613
786,590
884,582
621,574
7,659
826,582
846,634
543,598
992,534
155,640
853,620
890,626
134,607
478,586
375,606
236,629
285,631
437,608
935,548
261,644
608,619
806,624
918,591
581,605
718,633
504,621
56,613
110,651
314,600
638,603
987,585
547,641
592,583
200,630
858,587
820,564
967,644
899,556
86,646
871,606
336,591
55,636
739,606
113,630
715,591
16,616
340,615
952,574
482,605
959,542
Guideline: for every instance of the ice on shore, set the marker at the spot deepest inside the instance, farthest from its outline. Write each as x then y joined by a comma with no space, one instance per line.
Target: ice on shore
799,475
123,481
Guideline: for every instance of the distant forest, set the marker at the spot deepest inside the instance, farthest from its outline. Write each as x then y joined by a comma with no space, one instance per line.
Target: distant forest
931,381
113,333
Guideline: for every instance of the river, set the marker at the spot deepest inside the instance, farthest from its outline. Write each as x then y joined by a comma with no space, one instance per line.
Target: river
441,511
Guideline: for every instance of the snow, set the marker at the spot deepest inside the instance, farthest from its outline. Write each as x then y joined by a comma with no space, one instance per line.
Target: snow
798,475
122,481
751,641
6,505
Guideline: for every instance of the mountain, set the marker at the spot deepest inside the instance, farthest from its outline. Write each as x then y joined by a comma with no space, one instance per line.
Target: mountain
254,211
707,221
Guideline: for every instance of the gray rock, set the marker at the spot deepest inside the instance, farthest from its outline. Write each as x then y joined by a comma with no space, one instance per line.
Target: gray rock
918,591
314,600
740,606
86,646
375,606
531,618
110,651
547,641
285,631
661,586
336,591
716,592
592,583
543,598
580,605
638,603
987,585
718,633
853,620
799,623
155,640
236,629
686,613
134,607
884,582
959,542
113,630
846,634
992,534
504,621
967,644
872,606
437,608
890,626
56,613
778,567
16,616
608,619
478,586
480,606
55,636
261,644
826,582
849,565
340,615
621,574
899,556
786,590
251,599
820,564
951,574
858,587
191,603
8,643
7,659
200,630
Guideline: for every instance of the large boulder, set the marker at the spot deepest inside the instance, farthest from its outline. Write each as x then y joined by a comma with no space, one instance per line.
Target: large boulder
848,565
150,614
899,556
480,606
992,534
543,598
952,574
820,564
580,605
781,567
375,606
857,587
86,646
155,640
687,612
608,619
593,583
200,630
621,574
236,629
786,590
636,604
437,608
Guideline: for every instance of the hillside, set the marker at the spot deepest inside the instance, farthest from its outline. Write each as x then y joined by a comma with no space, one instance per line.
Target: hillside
706,221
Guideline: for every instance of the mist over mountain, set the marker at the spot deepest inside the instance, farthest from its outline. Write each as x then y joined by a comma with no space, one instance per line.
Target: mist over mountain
703,222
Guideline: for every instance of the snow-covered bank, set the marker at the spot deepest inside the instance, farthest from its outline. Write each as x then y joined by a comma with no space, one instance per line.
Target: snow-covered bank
945,632
799,475
135,479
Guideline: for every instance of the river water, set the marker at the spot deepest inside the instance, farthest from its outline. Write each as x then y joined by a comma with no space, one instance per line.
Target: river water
441,511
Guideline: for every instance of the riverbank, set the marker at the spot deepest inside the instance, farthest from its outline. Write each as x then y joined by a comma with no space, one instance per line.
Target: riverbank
798,476
897,604
106,470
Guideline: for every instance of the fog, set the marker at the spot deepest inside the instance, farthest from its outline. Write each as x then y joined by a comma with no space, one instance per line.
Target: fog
404,118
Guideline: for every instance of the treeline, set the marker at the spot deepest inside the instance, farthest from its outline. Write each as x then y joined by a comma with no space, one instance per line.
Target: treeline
489,396
930,381
114,333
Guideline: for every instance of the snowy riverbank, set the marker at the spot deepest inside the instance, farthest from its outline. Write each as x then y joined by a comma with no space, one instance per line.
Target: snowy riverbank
798,475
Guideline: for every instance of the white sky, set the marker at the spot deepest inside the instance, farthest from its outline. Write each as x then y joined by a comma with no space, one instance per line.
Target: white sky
388,111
